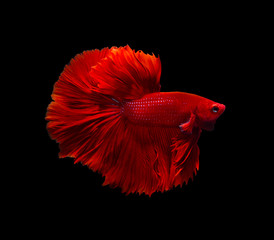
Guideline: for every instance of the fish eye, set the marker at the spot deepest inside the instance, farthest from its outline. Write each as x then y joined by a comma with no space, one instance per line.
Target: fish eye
215,109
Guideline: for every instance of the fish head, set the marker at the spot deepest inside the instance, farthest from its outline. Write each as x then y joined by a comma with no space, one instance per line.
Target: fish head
208,112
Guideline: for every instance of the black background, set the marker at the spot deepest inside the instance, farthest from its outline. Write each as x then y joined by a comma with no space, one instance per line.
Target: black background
206,66
211,49
204,58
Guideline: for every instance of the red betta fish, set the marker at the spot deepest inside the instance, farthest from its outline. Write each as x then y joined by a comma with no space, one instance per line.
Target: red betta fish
109,114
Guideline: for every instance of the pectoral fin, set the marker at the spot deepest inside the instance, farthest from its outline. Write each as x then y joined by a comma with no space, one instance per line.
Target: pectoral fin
188,126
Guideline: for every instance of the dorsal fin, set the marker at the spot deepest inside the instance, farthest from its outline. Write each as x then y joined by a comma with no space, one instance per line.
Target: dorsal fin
126,74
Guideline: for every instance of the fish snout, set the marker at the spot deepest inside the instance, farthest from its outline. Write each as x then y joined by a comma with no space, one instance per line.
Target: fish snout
221,108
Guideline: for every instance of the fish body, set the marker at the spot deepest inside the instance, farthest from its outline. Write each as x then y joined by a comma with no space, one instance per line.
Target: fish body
109,114
172,109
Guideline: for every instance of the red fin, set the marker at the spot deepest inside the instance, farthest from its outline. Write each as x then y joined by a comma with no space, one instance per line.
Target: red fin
140,158
185,158
85,118
146,159
188,126
76,110
127,74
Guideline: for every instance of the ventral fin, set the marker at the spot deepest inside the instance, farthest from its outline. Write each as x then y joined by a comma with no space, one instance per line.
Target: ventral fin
188,126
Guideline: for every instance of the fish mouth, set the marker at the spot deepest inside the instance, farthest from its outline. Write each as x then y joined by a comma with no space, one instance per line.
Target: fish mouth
222,108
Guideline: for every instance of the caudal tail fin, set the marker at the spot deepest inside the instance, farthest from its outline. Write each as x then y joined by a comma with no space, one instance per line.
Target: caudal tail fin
85,114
